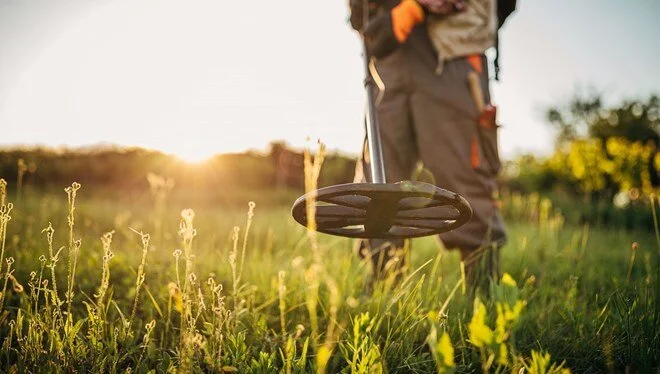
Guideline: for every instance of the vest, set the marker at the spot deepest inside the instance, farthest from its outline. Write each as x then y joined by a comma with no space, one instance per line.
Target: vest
465,33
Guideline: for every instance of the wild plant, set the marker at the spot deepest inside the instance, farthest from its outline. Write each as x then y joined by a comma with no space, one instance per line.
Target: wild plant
237,262
97,311
146,340
219,319
187,337
5,217
160,188
74,246
106,241
248,224
496,345
54,258
289,355
362,351
22,169
633,252
281,292
233,258
541,363
3,191
312,170
7,277
442,351
311,277
316,274
333,328
139,280
187,233
35,284
294,362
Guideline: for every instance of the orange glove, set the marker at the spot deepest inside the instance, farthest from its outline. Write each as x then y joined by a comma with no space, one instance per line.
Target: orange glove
385,33
405,17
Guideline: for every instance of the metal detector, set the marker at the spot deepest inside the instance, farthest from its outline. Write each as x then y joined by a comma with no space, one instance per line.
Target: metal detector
381,210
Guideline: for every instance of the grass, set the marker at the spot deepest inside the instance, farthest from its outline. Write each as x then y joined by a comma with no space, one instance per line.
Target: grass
93,284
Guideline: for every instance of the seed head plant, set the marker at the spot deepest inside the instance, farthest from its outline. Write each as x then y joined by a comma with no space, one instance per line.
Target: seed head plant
7,277
3,191
106,240
186,329
74,246
139,281
5,217
54,258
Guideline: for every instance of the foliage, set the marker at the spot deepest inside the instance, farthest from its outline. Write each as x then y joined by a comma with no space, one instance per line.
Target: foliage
616,165
600,183
586,116
605,165
120,172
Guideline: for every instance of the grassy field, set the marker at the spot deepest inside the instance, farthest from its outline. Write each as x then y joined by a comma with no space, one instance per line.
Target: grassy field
121,284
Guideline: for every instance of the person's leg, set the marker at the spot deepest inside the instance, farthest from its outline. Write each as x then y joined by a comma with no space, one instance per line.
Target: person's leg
399,156
452,147
481,266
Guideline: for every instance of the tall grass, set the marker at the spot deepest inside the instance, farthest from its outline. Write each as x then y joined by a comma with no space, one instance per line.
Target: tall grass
259,294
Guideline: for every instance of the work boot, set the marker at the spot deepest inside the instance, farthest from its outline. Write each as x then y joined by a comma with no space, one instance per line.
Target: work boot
482,266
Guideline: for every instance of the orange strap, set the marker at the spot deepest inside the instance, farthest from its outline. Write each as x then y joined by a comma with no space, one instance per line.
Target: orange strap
474,152
475,62
404,18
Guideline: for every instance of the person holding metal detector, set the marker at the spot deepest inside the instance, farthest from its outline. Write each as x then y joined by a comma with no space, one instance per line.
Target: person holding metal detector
433,106
427,96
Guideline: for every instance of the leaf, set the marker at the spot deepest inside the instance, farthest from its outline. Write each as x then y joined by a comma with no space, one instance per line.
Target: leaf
153,301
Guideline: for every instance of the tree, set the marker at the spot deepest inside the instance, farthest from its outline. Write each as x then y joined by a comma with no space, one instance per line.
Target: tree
586,116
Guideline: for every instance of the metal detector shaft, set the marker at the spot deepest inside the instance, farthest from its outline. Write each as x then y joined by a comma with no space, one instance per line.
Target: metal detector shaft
379,209
373,131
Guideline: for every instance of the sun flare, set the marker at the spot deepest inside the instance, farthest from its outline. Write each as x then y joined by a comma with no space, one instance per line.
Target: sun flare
194,155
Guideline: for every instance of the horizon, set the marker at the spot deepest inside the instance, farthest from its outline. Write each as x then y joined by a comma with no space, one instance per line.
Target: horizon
101,146
119,148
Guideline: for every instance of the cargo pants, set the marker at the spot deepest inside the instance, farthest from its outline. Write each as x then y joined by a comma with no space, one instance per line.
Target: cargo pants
431,116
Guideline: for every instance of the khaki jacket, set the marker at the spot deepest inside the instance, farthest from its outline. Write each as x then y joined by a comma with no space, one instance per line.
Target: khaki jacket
469,32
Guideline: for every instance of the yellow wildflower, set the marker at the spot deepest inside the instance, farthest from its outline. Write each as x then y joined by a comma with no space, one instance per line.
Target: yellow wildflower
501,324
508,280
446,350
480,334
503,355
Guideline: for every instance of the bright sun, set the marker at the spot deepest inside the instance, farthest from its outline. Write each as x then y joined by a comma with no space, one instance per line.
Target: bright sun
194,155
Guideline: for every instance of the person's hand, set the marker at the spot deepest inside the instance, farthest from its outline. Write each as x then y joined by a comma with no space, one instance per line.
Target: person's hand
442,7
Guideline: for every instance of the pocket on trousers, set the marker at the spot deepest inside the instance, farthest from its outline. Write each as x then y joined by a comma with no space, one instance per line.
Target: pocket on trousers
491,162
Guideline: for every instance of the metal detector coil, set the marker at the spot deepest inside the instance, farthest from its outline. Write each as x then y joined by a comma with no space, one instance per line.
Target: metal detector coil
385,211
381,210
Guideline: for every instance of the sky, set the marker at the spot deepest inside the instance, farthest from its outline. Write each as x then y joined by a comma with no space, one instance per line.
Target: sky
199,77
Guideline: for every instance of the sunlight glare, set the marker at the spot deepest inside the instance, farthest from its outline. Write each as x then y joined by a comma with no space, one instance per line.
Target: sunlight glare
193,155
